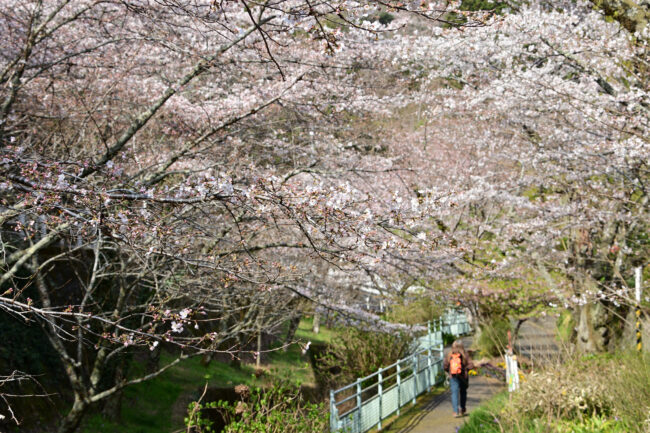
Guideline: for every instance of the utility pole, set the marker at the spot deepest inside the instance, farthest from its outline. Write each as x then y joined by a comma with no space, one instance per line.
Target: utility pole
637,281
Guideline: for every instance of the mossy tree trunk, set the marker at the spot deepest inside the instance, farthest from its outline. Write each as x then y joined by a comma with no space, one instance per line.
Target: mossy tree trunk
633,15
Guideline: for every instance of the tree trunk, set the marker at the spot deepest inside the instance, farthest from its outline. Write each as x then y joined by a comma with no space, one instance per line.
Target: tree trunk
113,406
633,15
329,319
291,333
515,333
206,359
316,327
70,422
593,334
258,360
153,359
236,360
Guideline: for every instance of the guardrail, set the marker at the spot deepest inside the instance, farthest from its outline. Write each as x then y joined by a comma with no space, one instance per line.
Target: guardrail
364,404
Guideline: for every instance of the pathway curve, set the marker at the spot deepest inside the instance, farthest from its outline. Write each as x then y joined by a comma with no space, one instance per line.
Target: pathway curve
435,414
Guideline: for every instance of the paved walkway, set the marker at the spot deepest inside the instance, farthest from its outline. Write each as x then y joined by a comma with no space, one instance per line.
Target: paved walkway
435,415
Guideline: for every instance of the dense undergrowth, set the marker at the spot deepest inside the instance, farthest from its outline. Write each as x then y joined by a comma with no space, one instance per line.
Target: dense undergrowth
280,408
160,404
607,393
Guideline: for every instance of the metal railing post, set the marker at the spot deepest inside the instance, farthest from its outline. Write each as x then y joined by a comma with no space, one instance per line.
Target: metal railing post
429,380
379,392
415,377
359,406
399,388
333,421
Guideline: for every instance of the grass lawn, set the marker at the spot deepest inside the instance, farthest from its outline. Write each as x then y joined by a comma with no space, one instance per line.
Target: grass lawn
304,332
149,407
158,405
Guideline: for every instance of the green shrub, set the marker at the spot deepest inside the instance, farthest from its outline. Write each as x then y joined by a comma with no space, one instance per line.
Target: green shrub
278,409
606,393
385,18
488,419
494,337
448,339
565,326
483,419
484,5
355,354
630,388
563,392
416,311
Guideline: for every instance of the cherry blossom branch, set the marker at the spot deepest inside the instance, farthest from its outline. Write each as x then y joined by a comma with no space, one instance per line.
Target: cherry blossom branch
142,119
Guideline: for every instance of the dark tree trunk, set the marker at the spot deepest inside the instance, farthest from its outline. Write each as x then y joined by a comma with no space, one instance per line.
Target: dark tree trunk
236,360
153,359
113,406
291,333
70,422
206,359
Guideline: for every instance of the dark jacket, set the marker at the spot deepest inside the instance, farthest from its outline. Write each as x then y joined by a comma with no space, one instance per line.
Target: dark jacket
466,363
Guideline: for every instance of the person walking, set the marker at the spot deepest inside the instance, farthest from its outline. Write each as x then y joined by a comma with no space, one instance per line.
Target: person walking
457,364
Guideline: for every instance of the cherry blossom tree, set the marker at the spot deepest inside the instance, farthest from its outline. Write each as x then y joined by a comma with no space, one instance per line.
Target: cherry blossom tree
177,173
172,172
544,117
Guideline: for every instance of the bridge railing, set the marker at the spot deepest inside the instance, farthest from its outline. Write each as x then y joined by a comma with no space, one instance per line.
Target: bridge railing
364,404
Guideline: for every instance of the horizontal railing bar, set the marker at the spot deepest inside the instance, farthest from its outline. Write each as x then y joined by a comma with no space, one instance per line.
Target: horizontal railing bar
346,387
374,385
390,388
346,399
348,413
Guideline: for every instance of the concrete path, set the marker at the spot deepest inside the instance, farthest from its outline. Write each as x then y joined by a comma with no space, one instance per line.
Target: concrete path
435,415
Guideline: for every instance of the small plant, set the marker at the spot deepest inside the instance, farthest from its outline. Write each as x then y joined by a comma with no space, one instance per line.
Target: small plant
596,424
448,339
194,421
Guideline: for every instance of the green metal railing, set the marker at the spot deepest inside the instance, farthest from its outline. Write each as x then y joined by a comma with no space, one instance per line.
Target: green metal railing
364,404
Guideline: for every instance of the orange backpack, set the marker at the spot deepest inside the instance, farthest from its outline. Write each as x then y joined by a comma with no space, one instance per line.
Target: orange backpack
455,364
